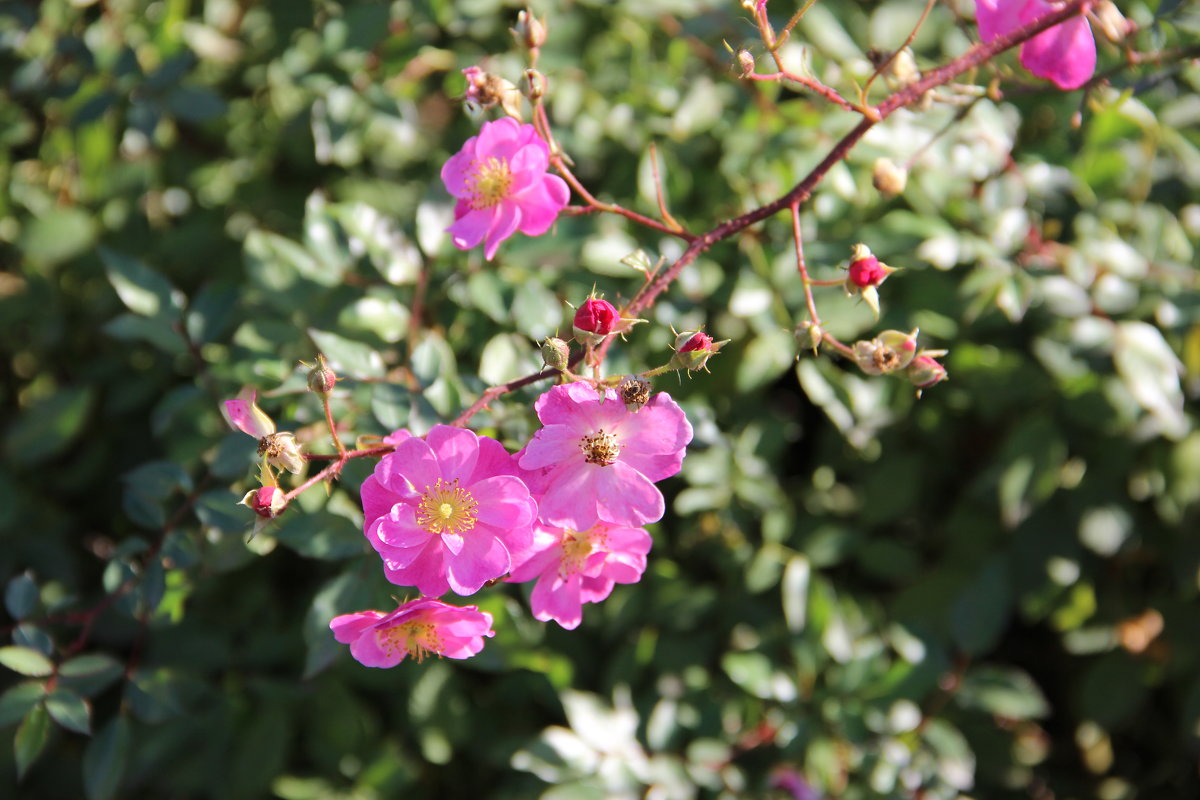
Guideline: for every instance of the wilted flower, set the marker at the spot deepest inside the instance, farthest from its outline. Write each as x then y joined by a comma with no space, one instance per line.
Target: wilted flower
635,391
416,628
500,181
577,567
595,461
445,512
486,90
888,352
282,451
1064,53
244,414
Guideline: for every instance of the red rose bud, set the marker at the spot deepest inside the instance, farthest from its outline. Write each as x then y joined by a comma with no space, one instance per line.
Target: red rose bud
867,272
268,501
925,371
693,349
594,320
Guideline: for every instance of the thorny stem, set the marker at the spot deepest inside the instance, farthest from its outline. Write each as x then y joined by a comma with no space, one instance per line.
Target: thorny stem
888,62
773,44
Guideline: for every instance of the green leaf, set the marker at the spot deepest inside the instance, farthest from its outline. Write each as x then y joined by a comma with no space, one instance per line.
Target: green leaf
536,312
57,235
321,535
17,700
48,426
90,673
26,661
20,596
70,711
141,289
348,358
344,594
390,403
152,696
104,760
31,738
982,610
1004,691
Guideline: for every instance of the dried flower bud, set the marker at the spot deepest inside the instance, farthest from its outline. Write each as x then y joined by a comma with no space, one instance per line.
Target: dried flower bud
321,379
556,353
746,62
635,391
903,71
486,90
888,178
888,352
282,451
529,31
693,349
595,320
267,501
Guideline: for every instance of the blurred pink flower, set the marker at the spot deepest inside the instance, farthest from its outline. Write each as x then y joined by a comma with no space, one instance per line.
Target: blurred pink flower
1064,53
577,567
243,413
500,182
445,512
596,461
416,628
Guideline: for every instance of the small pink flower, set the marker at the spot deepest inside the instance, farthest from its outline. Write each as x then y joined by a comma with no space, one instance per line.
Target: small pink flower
577,567
1064,53
499,179
416,628
445,512
245,415
596,461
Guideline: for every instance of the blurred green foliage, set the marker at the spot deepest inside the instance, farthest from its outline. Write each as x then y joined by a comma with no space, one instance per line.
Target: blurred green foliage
989,592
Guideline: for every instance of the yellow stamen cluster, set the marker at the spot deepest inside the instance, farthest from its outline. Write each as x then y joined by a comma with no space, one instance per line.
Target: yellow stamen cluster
489,183
412,638
446,507
600,448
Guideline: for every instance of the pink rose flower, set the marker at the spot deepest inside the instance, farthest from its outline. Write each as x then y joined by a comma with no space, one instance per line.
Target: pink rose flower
1063,53
596,461
577,567
446,511
499,179
416,628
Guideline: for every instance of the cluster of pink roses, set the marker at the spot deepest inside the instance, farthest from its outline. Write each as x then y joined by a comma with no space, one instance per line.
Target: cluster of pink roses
454,511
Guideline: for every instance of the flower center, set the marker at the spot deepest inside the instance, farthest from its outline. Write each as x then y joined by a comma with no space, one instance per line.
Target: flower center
446,508
600,448
417,639
576,547
885,359
490,182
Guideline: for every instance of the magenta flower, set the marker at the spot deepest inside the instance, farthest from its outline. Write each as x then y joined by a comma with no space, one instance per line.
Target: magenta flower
596,461
577,567
1064,53
445,512
499,179
243,413
416,628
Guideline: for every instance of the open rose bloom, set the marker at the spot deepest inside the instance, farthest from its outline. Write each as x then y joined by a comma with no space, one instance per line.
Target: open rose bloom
1063,53
577,567
416,628
596,461
446,511
500,182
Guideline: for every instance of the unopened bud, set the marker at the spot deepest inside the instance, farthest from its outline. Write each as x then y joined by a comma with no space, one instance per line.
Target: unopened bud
866,269
282,451
904,70
321,379
634,391
529,30
267,501
693,349
556,353
809,336
595,320
924,371
888,178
